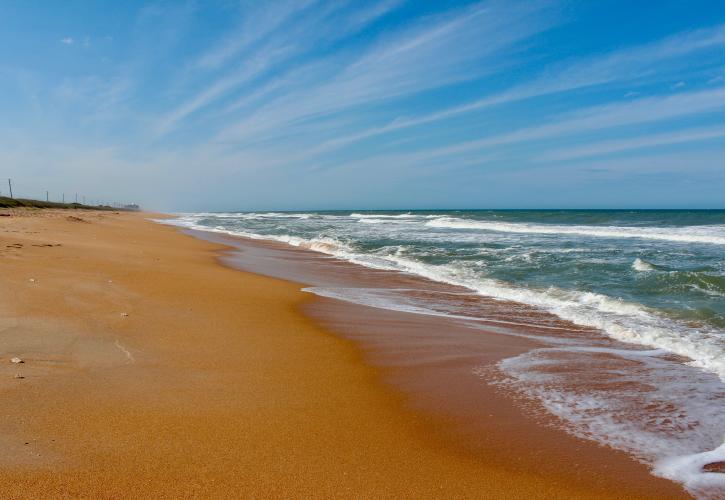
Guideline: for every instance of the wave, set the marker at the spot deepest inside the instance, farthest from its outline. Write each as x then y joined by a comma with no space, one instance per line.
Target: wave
714,235
710,282
257,215
330,246
624,321
642,265
381,221
384,216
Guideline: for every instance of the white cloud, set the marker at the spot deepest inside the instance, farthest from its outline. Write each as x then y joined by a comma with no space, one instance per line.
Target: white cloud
67,40
650,109
625,64
423,56
617,146
270,36
258,21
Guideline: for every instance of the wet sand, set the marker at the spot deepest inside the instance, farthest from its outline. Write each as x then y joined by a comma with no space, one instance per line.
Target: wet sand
152,371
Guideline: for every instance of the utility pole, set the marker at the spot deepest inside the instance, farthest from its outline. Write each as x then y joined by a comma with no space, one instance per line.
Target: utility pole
10,185
84,200
47,197
63,197
76,197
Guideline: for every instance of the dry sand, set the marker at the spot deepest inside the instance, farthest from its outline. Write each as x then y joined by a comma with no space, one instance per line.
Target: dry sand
152,371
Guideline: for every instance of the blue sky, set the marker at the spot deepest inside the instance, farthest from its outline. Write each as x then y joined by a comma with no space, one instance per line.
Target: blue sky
304,104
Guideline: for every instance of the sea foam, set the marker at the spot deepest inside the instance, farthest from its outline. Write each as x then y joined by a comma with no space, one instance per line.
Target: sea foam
642,265
691,234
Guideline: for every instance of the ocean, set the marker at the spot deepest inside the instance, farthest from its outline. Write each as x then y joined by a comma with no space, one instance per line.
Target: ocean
640,295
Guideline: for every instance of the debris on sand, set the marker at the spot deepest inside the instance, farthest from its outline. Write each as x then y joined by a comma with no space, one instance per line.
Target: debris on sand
19,375
16,360
718,467
124,314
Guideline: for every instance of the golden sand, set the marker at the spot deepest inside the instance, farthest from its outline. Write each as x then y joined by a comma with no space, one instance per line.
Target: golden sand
152,371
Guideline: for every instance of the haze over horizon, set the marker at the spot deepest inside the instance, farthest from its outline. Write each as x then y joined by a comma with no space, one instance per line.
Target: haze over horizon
387,104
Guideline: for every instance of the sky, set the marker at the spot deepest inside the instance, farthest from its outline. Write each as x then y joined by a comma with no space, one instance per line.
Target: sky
376,104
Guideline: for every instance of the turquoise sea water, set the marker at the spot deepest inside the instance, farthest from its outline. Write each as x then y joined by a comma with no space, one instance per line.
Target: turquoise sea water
652,280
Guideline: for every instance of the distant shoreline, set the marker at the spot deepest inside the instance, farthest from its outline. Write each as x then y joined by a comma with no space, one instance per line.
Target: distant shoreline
6,202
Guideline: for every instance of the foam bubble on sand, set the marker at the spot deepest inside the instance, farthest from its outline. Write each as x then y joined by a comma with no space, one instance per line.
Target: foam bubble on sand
671,420
692,471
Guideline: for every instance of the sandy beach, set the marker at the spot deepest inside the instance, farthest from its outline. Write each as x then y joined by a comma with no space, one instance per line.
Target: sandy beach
150,369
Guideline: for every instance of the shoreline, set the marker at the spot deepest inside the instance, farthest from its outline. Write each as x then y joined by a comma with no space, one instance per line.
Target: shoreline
216,382
477,418
612,368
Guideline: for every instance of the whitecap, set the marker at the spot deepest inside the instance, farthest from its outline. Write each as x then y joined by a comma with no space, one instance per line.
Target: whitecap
642,265
714,234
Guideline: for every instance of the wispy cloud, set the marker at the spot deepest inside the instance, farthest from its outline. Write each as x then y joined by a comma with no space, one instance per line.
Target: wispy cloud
266,38
627,64
258,20
601,148
424,56
251,69
651,109
578,123
67,40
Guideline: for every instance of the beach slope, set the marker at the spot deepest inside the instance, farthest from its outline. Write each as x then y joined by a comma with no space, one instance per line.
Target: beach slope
150,370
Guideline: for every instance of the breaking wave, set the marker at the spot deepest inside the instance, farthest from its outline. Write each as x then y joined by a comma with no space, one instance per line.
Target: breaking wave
691,234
